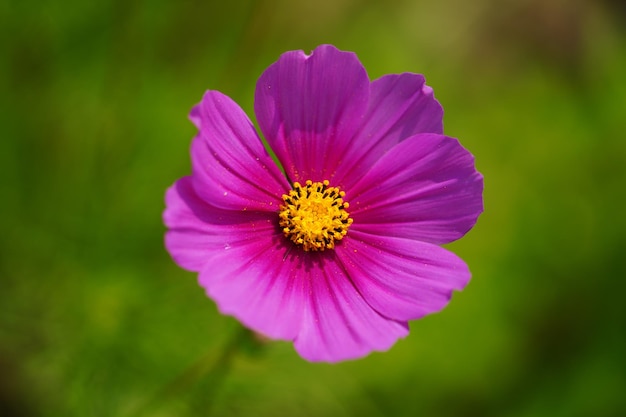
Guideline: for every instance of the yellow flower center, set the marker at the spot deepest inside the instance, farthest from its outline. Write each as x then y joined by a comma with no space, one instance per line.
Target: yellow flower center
314,216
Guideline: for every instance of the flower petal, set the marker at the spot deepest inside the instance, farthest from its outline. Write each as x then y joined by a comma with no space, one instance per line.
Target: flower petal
197,229
286,293
425,188
400,278
400,106
338,324
256,282
309,107
231,168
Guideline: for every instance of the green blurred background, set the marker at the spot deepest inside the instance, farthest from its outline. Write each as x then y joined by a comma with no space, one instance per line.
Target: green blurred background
96,320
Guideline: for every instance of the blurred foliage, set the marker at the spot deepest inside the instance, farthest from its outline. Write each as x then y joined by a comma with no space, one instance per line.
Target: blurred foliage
96,320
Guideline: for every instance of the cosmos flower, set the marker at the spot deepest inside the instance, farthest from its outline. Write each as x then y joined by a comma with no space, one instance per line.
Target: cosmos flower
340,248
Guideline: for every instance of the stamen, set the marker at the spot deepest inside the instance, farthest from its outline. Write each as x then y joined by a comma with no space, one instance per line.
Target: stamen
314,216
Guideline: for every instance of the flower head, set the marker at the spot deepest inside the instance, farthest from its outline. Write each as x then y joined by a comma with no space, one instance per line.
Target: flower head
341,250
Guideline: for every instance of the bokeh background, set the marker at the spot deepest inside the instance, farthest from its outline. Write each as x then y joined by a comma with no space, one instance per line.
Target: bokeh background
95,318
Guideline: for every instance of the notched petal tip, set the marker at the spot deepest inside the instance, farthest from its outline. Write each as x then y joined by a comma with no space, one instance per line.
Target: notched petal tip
308,108
325,48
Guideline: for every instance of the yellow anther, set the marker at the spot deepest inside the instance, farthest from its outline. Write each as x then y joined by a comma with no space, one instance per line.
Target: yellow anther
314,216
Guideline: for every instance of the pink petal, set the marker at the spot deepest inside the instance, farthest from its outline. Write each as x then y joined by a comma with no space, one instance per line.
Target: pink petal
196,229
400,278
338,324
260,283
425,188
400,106
285,293
231,168
309,107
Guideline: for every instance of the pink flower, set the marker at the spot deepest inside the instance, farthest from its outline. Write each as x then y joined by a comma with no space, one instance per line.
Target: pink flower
341,250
